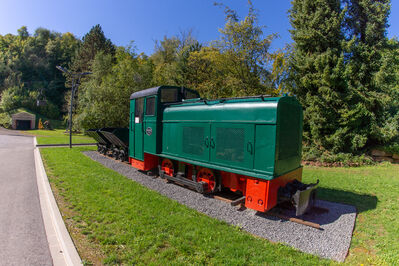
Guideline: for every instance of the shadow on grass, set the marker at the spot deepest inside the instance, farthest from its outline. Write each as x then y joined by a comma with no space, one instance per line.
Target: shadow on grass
362,202
332,204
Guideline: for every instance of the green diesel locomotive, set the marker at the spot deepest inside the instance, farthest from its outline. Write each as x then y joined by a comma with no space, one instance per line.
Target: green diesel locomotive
249,145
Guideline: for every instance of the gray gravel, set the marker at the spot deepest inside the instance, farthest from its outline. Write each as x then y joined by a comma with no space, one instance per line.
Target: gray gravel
332,242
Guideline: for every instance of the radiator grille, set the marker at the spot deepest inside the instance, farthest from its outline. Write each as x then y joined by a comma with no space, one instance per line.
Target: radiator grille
193,140
230,144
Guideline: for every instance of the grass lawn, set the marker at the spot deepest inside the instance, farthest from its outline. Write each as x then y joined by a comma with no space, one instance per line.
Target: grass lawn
57,136
114,220
374,190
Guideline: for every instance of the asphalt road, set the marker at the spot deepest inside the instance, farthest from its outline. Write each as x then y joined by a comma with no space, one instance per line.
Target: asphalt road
22,235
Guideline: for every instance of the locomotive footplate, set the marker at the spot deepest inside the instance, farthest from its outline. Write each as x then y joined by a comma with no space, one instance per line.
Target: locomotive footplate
302,196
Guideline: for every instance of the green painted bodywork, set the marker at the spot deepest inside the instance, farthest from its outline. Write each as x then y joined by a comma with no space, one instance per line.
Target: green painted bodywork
146,130
131,131
259,137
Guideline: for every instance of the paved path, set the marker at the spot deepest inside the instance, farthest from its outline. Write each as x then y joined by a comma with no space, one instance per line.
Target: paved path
22,235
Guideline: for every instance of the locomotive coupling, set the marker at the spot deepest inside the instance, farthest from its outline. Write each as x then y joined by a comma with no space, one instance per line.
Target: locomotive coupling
302,196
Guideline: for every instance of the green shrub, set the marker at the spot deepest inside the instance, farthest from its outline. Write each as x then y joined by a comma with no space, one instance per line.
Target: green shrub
310,153
346,159
392,148
5,120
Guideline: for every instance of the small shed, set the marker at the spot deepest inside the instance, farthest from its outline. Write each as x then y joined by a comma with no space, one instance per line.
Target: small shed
23,121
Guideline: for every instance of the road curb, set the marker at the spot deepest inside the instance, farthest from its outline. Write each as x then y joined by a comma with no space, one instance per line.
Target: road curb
62,248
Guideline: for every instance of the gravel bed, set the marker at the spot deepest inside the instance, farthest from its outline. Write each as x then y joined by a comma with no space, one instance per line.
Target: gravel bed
331,242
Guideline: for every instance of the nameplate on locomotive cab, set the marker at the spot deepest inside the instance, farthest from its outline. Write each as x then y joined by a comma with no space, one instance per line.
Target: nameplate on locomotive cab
148,131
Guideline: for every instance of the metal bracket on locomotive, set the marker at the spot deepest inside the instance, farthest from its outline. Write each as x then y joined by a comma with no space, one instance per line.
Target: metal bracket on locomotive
302,196
198,186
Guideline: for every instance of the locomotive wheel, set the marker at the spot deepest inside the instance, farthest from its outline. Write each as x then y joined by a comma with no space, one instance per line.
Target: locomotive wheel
206,175
104,150
168,167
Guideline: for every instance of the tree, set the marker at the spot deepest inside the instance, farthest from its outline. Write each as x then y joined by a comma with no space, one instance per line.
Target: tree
316,74
343,70
246,50
209,73
372,96
92,43
171,59
28,64
104,101
23,32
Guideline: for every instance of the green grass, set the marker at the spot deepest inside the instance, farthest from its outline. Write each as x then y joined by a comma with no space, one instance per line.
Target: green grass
374,190
57,136
131,224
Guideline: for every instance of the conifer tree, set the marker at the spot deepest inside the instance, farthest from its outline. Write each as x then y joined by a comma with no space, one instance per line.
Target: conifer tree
93,42
371,98
338,71
316,71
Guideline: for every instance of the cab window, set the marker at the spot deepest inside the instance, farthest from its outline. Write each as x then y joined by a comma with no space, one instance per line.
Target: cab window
150,106
139,108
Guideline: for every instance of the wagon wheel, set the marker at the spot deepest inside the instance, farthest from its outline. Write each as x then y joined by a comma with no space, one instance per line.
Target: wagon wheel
122,155
168,167
206,175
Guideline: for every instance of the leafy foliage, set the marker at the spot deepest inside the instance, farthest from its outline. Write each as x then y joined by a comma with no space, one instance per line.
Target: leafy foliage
27,69
343,71
246,52
92,43
341,67
16,97
5,120
316,71
372,95
105,98
171,59
235,65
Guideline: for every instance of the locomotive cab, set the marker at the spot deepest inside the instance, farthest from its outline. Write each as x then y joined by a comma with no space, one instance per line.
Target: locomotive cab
146,108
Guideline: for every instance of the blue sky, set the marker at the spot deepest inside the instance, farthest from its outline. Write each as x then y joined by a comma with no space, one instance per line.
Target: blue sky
145,21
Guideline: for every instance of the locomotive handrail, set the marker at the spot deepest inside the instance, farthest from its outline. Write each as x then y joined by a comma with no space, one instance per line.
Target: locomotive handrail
262,96
222,100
